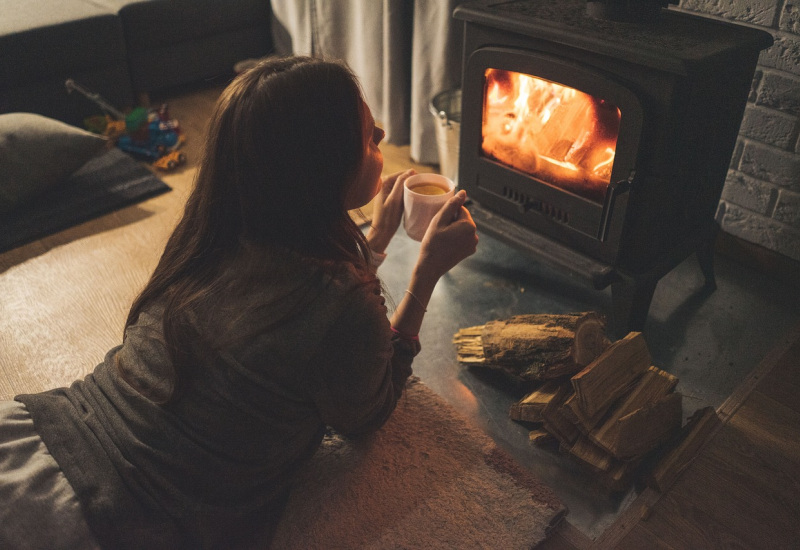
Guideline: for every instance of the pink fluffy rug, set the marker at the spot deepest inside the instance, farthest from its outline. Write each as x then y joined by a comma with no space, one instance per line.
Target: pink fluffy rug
427,479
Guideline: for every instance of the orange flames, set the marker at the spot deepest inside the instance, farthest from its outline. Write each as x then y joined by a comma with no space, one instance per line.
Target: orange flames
557,134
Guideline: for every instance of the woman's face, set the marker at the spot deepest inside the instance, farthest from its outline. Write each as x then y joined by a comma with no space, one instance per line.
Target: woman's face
368,179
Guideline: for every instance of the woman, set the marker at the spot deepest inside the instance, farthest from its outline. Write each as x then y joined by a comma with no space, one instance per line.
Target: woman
262,324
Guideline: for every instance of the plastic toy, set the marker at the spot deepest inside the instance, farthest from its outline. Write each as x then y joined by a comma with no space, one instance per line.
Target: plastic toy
148,134
170,161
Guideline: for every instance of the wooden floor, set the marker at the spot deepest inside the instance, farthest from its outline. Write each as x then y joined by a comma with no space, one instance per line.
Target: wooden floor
741,491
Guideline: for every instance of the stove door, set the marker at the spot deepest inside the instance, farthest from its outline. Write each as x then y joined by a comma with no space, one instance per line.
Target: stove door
549,143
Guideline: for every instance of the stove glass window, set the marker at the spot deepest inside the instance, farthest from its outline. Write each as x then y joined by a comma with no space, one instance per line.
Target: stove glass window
555,133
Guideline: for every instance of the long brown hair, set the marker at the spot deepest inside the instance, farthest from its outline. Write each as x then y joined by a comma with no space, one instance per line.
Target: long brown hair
285,143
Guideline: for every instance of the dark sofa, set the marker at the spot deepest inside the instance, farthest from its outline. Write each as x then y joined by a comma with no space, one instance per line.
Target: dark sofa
122,49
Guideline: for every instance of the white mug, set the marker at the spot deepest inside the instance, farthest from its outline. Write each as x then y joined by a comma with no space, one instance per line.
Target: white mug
423,196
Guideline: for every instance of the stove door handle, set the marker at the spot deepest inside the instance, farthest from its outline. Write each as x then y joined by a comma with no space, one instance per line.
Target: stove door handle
615,189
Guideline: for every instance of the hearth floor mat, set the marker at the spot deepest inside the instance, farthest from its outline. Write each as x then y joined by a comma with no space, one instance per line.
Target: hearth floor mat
107,182
427,479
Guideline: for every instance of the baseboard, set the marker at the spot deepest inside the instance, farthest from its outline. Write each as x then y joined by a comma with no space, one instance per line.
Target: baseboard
759,258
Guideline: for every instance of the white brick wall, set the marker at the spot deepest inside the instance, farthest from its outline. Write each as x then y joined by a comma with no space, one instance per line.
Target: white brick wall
761,199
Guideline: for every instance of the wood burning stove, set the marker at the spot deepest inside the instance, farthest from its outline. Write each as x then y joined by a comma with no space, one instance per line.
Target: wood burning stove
601,146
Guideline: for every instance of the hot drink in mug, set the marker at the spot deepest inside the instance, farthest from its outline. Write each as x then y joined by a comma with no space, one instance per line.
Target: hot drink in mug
423,196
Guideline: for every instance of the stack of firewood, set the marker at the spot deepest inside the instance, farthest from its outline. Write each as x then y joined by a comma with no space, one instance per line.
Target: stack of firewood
604,403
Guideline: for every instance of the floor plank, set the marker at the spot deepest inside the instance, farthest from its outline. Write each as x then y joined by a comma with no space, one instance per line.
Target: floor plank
770,432
687,521
640,538
782,383
741,490
565,537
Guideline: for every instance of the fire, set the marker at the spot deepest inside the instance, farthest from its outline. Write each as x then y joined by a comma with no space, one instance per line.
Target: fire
555,133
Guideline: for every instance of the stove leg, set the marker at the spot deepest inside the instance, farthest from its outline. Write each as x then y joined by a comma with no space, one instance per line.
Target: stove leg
705,257
706,260
630,302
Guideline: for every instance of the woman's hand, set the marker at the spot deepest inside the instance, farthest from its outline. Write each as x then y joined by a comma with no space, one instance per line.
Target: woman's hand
387,211
450,238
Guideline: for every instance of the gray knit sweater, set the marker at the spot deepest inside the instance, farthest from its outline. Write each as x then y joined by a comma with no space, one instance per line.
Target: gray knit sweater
212,469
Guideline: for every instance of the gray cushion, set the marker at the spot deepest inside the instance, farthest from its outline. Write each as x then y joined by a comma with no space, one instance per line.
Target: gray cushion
37,153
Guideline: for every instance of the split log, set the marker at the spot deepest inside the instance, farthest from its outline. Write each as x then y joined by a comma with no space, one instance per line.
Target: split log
530,407
648,427
534,347
596,458
469,346
541,437
650,387
612,374
546,343
697,430
621,475
577,416
612,474
554,420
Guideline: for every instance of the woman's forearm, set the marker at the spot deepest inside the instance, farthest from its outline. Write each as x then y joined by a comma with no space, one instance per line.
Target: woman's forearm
410,312
378,241
450,238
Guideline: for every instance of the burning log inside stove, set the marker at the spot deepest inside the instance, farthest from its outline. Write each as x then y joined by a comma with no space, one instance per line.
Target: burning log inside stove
556,133
610,415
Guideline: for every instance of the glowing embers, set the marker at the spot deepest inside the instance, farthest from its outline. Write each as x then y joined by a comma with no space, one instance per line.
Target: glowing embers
558,134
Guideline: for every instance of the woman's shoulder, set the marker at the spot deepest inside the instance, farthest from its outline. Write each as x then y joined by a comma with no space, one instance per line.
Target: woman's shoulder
288,265
270,276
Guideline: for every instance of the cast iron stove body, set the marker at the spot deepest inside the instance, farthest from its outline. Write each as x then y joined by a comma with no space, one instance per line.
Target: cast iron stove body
600,146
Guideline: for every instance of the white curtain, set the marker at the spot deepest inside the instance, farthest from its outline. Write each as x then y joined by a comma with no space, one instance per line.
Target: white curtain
436,67
403,51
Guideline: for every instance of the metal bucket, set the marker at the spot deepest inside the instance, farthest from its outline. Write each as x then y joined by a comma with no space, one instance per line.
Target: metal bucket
446,110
